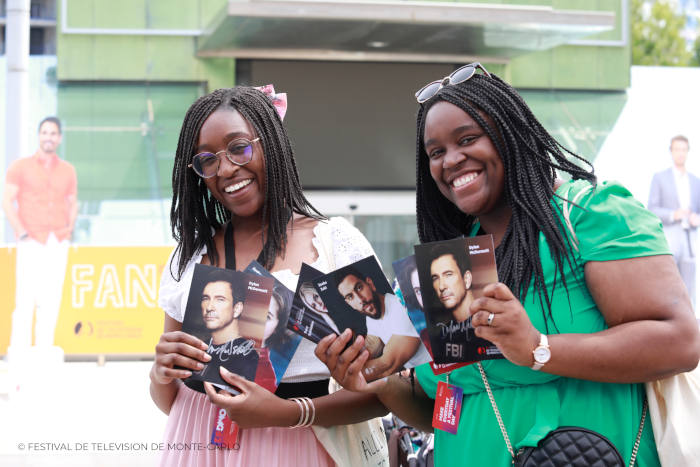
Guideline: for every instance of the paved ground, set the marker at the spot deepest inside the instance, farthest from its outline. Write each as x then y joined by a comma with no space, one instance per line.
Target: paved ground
79,414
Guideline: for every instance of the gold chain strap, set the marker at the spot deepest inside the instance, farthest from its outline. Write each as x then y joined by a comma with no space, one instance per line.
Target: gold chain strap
495,409
507,440
639,434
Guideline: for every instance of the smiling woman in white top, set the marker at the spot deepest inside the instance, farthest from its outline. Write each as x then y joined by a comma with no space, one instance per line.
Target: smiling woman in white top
237,198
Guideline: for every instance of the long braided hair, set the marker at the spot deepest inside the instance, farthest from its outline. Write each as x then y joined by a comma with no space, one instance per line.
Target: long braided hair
531,157
194,211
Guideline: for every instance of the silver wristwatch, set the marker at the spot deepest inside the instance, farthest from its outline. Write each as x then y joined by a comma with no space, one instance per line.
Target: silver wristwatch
541,353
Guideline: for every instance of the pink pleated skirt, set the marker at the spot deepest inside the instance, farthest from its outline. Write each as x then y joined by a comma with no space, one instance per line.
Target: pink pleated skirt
188,433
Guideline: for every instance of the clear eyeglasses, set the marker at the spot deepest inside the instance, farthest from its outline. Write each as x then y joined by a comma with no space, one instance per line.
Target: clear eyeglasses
239,152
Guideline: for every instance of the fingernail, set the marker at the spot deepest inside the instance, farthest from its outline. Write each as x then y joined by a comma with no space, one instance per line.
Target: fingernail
199,366
347,332
207,357
224,370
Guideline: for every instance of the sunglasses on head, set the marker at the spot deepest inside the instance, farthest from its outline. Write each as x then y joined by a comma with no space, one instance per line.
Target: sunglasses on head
239,151
460,75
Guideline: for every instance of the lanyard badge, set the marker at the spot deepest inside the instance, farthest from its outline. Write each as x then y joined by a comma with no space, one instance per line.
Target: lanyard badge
225,432
448,407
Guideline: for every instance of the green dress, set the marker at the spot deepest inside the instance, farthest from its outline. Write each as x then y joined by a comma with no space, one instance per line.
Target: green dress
532,403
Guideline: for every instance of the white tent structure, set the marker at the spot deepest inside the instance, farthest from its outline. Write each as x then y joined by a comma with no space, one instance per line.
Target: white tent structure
662,102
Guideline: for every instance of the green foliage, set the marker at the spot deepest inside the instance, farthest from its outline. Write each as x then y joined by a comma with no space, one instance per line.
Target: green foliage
656,35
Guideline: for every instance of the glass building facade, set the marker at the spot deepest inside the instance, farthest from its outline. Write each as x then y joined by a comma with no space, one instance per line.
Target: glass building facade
122,97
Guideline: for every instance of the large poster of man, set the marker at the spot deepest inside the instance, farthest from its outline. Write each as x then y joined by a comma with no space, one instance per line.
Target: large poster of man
40,202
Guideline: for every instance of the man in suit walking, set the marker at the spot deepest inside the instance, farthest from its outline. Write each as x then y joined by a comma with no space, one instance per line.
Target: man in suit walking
675,198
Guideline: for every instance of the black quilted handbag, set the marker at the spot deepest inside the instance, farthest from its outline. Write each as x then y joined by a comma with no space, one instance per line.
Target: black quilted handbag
571,446
567,446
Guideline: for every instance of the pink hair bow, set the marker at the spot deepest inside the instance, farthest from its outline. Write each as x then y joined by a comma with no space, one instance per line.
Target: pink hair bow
278,100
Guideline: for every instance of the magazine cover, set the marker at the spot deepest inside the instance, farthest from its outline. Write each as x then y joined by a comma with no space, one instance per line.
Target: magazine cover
227,310
452,274
406,273
279,343
309,316
360,297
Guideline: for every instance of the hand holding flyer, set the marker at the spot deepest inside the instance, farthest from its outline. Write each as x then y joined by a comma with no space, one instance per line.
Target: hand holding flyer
407,276
359,297
227,310
452,274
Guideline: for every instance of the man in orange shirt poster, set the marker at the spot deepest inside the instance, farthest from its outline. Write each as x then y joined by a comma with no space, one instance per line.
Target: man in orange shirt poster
40,202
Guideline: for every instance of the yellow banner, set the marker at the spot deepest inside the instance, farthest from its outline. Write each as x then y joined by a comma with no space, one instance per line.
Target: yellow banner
109,303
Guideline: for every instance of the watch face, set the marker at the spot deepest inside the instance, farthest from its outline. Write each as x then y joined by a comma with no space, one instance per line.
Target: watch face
542,354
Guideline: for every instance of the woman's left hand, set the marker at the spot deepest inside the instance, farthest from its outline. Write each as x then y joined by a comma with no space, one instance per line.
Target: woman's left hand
347,364
255,406
511,329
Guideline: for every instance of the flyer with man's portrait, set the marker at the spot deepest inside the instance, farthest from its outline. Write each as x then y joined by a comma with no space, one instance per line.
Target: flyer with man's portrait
360,298
227,310
406,273
452,274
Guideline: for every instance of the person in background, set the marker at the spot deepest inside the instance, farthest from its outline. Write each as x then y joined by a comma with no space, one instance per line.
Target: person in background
675,197
40,202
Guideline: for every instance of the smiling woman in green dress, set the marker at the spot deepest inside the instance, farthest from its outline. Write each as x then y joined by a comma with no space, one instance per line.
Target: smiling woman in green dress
589,303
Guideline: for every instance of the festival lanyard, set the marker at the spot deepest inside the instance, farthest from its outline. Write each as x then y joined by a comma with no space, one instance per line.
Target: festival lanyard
229,247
